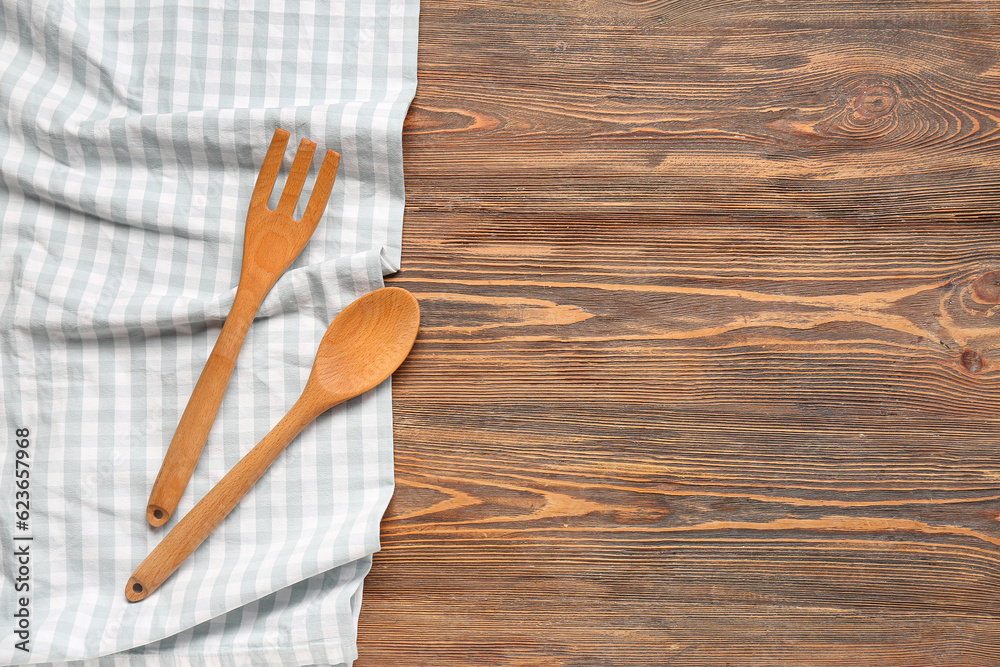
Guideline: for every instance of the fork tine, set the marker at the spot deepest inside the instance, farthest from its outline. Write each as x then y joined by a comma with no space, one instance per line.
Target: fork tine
321,190
296,177
269,170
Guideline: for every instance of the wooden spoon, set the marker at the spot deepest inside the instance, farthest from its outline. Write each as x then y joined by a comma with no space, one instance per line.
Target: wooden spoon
367,341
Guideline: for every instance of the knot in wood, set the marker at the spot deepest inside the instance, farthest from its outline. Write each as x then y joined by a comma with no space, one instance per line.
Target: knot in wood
870,112
986,289
972,361
873,101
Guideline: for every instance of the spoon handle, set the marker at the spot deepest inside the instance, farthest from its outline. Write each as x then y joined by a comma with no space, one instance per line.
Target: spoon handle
205,516
199,415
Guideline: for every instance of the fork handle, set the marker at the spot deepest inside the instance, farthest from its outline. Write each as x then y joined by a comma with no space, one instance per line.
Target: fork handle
199,415
209,512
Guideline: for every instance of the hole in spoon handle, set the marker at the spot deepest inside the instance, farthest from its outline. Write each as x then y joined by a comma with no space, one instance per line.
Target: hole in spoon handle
157,516
135,591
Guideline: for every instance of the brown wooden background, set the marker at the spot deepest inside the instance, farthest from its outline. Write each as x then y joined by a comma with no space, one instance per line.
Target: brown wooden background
709,371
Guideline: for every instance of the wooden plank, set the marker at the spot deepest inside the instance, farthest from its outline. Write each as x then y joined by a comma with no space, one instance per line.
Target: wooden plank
709,360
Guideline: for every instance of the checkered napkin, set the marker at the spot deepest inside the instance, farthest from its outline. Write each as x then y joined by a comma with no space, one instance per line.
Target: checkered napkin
130,140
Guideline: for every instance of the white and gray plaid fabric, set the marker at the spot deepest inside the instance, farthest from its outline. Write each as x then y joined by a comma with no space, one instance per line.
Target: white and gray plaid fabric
130,140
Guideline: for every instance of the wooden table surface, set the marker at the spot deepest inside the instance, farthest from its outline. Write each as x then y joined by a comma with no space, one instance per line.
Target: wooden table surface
709,370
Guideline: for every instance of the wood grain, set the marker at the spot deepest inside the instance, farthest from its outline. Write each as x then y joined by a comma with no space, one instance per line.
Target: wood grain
709,364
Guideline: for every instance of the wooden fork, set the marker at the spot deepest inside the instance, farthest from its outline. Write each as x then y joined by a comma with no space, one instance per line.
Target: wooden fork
272,241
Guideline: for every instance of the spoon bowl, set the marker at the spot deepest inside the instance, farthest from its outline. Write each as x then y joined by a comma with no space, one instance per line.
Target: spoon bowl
367,341
363,346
